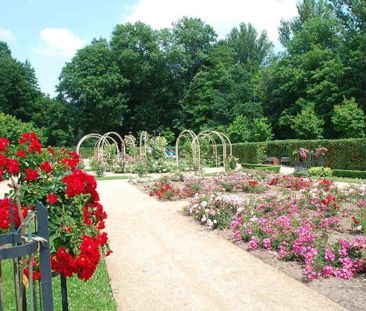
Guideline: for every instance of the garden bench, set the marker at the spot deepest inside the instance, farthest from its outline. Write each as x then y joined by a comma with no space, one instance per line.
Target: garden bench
269,160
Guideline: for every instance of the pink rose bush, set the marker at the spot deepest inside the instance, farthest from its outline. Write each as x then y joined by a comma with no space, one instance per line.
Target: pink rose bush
214,210
295,219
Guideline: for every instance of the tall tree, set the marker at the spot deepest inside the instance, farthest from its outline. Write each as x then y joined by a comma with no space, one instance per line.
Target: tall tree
250,48
92,85
18,86
310,70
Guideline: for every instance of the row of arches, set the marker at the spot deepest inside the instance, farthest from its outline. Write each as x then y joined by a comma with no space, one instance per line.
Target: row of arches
195,140
114,140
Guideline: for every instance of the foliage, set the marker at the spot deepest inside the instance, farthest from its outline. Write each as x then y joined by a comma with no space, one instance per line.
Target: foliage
97,167
91,82
260,167
12,128
18,86
184,77
76,216
306,124
242,129
349,173
349,119
320,171
342,153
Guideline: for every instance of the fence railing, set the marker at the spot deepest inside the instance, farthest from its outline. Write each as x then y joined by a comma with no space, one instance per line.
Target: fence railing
21,246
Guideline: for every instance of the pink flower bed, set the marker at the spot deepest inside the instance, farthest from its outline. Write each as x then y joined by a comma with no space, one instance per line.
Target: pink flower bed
295,221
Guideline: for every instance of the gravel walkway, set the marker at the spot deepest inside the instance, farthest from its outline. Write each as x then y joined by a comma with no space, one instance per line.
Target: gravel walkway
163,261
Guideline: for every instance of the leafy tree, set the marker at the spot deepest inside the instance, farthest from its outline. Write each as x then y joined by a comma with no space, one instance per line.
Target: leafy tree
18,86
249,48
261,130
92,84
243,129
195,39
306,124
311,69
349,119
59,121
239,130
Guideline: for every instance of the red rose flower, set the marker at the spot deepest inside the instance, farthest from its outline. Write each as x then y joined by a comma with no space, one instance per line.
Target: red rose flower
4,143
52,198
51,151
13,167
31,174
46,167
21,154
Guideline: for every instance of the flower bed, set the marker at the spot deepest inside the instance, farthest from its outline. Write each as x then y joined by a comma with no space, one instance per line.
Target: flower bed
298,220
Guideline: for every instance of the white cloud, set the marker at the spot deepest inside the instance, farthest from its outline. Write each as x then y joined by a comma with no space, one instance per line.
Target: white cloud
221,15
6,35
59,42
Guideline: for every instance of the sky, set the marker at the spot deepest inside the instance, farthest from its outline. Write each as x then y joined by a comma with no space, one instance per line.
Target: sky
49,32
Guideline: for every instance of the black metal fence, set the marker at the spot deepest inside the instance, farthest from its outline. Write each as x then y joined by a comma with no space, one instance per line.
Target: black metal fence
21,246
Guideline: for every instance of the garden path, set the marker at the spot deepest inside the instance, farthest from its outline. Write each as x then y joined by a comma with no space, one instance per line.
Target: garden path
163,261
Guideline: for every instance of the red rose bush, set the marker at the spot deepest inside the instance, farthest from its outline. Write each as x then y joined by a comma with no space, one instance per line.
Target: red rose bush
76,218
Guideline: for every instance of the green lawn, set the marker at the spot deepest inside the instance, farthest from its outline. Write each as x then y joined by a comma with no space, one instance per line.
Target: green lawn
94,294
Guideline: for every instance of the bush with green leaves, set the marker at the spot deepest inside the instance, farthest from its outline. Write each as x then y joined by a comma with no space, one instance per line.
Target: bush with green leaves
306,124
350,173
320,171
98,167
243,129
349,119
349,154
12,128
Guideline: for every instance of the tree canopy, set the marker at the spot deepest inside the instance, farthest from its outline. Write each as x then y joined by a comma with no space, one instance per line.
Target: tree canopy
181,77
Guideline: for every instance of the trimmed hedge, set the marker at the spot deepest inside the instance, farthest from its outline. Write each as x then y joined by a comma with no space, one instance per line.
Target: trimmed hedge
349,173
261,167
342,153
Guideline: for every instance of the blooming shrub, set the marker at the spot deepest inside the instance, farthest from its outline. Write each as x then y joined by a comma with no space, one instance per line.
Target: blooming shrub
297,229
298,219
163,191
213,210
76,218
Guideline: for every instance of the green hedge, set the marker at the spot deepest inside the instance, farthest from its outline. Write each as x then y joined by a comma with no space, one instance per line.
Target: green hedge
261,167
342,153
349,173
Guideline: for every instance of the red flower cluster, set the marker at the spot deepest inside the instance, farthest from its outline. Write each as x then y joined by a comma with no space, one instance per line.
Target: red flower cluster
5,214
85,263
51,176
94,215
291,182
164,191
46,167
72,161
31,139
63,262
52,198
78,182
36,272
31,174
21,154
4,143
